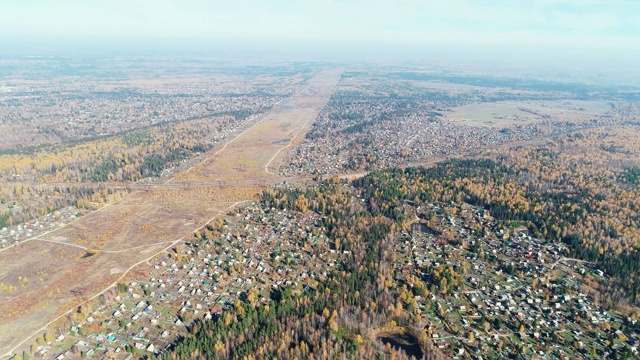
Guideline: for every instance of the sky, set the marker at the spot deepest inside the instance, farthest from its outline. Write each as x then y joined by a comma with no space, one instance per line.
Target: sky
598,31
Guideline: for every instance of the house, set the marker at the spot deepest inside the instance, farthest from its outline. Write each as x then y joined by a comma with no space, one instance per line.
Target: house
216,311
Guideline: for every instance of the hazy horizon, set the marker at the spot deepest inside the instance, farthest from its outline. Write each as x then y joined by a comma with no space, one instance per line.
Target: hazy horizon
581,36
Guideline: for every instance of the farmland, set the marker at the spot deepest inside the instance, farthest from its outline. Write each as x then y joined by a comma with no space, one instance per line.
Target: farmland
511,113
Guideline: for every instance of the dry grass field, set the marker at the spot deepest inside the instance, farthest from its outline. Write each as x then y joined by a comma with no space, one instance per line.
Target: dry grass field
49,276
52,273
58,279
510,113
254,154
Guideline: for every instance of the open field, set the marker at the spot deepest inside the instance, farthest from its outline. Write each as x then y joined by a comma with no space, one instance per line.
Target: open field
251,155
144,217
509,113
49,276
57,278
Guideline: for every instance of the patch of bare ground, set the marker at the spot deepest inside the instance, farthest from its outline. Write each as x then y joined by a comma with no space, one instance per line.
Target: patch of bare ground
402,338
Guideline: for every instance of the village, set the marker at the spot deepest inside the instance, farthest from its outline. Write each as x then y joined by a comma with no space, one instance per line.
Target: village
34,112
508,293
387,146
249,253
477,287
14,234
380,121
